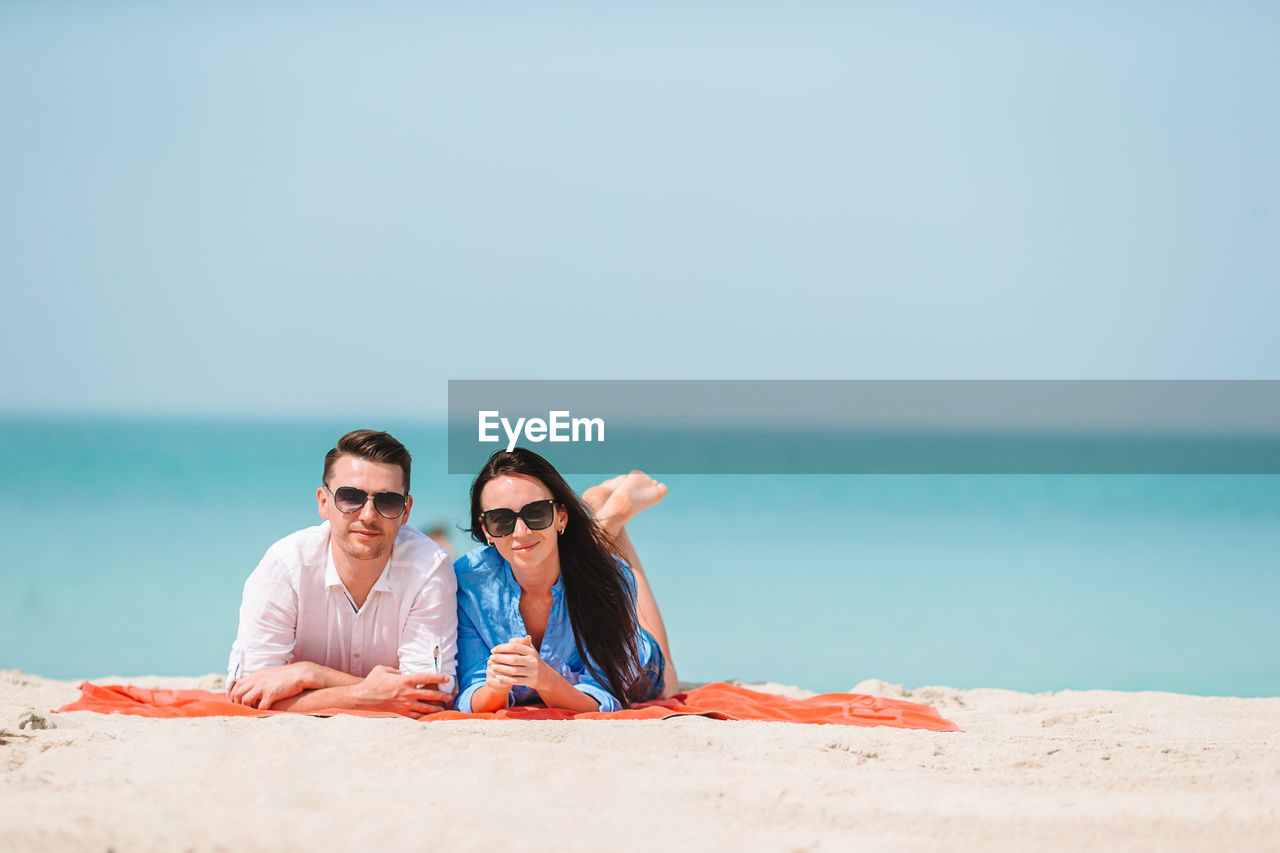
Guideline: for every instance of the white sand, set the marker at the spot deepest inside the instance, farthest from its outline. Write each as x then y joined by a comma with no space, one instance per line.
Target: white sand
1064,771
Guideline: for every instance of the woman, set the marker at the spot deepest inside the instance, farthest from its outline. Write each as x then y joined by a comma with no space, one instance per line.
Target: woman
549,611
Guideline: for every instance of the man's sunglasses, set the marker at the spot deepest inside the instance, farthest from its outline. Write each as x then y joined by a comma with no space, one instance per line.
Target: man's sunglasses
537,515
349,499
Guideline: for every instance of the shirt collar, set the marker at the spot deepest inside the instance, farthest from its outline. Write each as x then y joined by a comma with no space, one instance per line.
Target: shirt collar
330,570
383,583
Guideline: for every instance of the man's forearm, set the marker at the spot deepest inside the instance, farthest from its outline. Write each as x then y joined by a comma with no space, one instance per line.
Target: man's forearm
323,676
343,696
384,689
267,687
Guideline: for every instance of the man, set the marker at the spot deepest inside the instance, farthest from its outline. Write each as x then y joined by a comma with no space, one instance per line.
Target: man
359,612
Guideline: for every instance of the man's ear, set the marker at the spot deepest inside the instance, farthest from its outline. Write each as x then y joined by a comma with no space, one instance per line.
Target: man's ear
322,502
408,505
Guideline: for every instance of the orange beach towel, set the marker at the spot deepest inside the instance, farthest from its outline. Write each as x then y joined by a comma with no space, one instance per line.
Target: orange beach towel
719,701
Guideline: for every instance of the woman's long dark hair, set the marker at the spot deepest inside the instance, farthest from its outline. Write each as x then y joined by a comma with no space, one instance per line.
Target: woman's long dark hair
595,590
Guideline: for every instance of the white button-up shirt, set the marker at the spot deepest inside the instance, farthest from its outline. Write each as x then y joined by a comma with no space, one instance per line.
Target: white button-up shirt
296,608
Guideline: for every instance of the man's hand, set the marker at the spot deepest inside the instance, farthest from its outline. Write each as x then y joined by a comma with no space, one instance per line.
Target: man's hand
262,688
516,662
387,689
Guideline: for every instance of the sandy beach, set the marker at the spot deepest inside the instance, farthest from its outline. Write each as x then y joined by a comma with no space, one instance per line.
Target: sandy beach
1109,770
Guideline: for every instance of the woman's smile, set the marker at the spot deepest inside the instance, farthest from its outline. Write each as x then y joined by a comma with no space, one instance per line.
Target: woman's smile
533,553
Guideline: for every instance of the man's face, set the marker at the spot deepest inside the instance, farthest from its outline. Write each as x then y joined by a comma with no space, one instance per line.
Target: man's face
363,535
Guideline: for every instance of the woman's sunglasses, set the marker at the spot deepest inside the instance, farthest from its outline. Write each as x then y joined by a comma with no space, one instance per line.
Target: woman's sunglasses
349,499
537,515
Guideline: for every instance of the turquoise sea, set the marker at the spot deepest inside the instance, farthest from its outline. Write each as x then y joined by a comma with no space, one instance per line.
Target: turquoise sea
128,542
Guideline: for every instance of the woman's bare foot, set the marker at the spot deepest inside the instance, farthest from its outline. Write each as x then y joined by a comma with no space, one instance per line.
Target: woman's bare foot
631,494
596,496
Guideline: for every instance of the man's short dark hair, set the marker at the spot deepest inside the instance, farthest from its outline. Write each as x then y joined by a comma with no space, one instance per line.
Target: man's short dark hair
373,445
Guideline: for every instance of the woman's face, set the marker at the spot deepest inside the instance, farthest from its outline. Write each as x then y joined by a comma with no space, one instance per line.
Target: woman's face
531,553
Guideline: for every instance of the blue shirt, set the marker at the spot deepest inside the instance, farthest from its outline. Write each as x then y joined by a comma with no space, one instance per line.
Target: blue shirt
489,614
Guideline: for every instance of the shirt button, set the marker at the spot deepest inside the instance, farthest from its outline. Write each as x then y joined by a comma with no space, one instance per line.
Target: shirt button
356,655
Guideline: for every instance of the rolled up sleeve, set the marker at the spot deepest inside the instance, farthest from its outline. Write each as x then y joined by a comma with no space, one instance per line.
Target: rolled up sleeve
432,624
268,622
598,693
473,657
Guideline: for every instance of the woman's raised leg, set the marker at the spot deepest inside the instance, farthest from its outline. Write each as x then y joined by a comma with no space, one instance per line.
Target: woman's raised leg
615,502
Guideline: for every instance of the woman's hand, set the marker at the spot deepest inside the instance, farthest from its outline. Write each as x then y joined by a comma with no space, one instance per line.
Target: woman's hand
516,662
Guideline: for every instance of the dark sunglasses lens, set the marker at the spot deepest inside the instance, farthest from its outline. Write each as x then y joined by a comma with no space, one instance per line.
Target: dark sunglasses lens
499,522
389,504
538,516
349,498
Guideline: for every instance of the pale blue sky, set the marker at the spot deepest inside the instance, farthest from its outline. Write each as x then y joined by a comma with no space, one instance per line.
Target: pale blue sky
327,209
